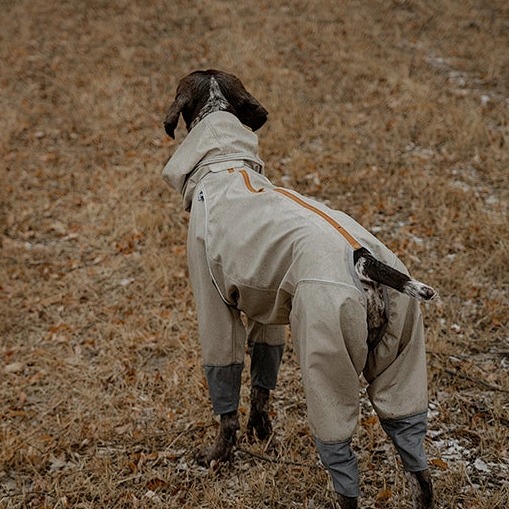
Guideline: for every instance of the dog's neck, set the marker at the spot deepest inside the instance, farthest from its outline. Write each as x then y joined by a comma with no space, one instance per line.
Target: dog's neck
215,102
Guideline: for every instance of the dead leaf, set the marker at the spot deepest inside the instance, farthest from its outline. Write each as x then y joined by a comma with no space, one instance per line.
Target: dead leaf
439,463
153,484
370,421
147,457
21,399
132,466
14,367
120,430
34,379
17,413
480,416
57,463
383,496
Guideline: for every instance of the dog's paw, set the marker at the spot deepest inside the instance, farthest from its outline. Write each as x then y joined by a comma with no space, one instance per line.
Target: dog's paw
259,420
225,441
219,454
421,487
259,423
347,502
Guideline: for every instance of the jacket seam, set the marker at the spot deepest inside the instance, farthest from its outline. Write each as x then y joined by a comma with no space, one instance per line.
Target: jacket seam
223,365
327,282
415,414
207,258
333,442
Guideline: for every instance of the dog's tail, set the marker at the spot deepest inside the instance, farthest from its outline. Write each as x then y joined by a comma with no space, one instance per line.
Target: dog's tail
369,269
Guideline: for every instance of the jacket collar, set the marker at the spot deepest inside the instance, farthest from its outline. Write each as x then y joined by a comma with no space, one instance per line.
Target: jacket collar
216,143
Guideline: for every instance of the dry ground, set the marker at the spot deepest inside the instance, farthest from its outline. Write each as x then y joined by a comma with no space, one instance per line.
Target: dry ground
394,111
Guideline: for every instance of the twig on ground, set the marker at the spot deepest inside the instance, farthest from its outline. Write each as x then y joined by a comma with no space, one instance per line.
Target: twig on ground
466,377
273,460
190,429
25,493
474,380
130,478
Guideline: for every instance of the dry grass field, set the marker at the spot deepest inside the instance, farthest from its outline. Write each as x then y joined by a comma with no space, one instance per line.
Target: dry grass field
393,111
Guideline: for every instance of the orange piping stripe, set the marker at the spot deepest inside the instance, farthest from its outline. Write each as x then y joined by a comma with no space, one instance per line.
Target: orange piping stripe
351,240
248,183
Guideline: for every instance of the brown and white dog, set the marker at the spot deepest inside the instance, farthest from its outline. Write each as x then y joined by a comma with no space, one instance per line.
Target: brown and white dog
199,95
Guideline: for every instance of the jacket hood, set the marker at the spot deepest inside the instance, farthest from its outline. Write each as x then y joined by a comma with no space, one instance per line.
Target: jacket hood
217,143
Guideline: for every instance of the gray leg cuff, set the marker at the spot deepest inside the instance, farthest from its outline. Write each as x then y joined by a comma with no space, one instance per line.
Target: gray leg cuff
224,387
341,462
408,434
265,362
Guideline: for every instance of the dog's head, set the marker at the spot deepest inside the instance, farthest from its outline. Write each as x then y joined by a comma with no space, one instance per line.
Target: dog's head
194,95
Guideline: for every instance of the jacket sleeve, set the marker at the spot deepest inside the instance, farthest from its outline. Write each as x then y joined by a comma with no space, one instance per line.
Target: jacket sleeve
222,334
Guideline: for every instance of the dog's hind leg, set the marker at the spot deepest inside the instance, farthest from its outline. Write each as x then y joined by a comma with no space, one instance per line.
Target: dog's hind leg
398,393
225,441
347,502
329,334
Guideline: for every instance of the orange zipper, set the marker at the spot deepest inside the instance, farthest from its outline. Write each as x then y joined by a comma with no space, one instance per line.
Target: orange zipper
349,238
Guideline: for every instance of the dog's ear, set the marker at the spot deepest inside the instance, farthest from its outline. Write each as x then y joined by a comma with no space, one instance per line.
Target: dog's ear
252,113
248,110
181,100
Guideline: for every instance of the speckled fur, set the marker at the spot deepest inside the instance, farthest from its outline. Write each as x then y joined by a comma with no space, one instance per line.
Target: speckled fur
216,102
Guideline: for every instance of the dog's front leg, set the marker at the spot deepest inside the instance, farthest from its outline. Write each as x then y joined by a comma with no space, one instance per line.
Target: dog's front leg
225,441
259,420
422,489
347,502
266,346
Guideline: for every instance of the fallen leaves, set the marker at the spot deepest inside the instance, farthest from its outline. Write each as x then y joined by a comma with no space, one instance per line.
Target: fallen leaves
383,497
60,332
123,429
14,367
439,463
130,243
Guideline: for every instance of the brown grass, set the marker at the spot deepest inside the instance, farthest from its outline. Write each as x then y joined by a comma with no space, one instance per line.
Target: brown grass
395,112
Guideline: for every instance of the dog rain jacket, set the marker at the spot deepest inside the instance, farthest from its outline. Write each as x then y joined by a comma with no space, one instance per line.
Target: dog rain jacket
277,257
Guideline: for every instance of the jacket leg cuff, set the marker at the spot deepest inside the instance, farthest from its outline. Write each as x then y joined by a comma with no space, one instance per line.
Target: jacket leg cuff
224,387
265,362
341,463
407,434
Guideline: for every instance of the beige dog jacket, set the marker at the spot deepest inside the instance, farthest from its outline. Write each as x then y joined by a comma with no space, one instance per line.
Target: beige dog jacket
283,258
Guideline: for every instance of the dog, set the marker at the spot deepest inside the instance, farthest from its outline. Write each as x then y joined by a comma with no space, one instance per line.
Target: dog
279,257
